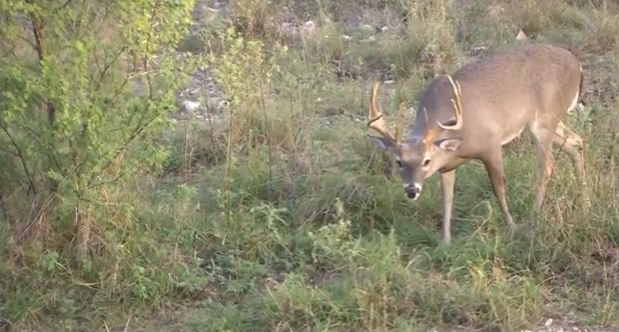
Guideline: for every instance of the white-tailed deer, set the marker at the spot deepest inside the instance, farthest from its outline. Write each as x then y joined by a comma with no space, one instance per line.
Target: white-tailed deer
482,107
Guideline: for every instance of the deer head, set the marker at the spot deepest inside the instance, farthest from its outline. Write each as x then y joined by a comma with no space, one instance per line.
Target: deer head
418,157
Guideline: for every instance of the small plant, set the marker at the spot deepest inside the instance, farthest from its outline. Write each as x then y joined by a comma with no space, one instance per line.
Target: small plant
274,212
430,39
252,17
334,242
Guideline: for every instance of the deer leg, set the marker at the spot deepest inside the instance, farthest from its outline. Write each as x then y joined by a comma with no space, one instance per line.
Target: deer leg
546,163
574,145
494,167
543,136
448,180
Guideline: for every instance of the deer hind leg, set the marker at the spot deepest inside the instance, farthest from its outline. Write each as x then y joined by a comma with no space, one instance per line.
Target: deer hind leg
574,145
543,136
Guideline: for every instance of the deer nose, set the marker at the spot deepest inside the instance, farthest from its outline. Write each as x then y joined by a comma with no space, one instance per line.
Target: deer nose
413,191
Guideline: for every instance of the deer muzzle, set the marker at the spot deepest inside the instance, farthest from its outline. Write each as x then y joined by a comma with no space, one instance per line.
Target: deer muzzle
413,191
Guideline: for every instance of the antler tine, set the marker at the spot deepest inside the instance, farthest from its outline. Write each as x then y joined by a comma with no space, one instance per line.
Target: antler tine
376,119
457,104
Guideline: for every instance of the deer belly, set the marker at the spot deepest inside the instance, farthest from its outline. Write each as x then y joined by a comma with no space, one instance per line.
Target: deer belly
512,136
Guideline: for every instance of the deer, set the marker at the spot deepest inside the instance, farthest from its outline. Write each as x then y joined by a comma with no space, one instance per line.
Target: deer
483,106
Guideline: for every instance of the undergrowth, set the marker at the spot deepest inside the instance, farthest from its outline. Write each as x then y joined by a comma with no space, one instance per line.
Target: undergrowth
276,213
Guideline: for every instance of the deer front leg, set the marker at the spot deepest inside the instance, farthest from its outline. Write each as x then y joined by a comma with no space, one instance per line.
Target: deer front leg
448,180
494,167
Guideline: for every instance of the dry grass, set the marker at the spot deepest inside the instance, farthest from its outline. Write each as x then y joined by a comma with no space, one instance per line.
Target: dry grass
285,217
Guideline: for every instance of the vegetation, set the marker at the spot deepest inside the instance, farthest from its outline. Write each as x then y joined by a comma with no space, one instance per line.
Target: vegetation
274,211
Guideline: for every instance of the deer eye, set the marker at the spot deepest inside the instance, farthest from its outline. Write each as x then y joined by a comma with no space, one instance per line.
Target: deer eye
426,162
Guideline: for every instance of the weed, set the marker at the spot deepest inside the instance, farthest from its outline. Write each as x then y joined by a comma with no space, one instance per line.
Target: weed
275,212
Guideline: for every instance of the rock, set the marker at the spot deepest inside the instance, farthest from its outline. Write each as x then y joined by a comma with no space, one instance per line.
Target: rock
366,27
309,27
495,11
370,39
287,28
191,106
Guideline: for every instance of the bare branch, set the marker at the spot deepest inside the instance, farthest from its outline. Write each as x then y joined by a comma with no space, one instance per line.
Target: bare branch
21,158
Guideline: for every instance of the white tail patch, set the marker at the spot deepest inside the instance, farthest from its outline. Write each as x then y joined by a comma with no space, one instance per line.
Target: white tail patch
511,137
575,105
521,36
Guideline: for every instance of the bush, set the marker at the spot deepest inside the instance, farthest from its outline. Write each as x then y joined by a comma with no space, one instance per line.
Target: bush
275,212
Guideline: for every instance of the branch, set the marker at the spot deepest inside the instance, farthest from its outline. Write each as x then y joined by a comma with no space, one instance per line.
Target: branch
20,155
107,66
137,132
37,28
36,32
63,6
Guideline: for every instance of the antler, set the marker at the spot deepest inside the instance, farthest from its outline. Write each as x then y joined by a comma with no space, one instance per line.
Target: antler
376,119
457,106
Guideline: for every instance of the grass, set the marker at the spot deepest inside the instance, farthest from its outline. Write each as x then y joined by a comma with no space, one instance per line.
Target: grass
283,216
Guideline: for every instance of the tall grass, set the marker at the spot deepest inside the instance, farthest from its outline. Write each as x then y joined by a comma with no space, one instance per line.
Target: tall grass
280,215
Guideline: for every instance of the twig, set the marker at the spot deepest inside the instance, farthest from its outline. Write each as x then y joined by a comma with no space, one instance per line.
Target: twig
21,158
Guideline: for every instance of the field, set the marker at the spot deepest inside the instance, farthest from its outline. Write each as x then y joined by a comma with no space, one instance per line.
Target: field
181,166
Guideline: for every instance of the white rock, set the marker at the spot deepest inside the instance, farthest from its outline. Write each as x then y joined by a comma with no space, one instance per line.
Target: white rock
495,11
309,27
366,27
190,105
287,28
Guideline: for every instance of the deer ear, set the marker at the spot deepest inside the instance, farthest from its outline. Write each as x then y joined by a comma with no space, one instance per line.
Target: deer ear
448,144
383,143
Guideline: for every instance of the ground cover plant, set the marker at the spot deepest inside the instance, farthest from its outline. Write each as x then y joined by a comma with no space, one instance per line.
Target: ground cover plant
204,166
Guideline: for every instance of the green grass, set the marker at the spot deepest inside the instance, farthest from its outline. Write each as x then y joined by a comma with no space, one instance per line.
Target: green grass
290,219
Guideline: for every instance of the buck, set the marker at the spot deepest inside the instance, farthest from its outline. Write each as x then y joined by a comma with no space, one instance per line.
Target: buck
482,107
